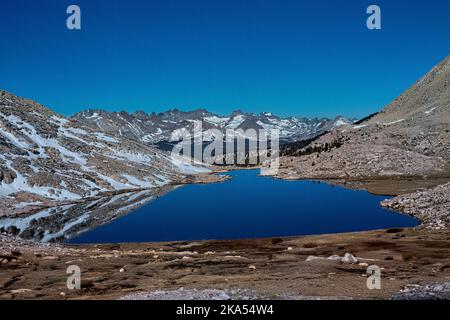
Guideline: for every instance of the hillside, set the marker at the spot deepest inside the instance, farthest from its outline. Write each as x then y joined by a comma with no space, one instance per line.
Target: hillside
409,138
46,157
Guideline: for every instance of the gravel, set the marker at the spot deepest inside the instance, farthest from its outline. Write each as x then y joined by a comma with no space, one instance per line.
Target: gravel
194,294
428,292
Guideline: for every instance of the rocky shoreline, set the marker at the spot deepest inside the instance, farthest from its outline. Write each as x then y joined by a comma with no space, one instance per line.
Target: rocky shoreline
431,206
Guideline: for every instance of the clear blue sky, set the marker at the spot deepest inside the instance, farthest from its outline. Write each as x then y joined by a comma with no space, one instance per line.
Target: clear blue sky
305,58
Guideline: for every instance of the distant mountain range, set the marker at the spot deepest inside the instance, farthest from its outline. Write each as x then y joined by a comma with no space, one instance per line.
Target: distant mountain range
155,128
47,157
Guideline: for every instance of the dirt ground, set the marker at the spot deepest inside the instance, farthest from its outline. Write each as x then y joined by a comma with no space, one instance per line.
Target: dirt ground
274,268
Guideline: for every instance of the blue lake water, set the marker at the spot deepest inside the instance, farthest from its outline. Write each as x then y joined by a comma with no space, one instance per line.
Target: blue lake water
249,206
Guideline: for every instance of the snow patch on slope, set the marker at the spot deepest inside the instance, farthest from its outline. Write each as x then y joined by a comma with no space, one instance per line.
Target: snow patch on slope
186,167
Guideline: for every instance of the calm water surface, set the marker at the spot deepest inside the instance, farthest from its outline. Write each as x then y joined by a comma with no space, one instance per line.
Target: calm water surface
249,206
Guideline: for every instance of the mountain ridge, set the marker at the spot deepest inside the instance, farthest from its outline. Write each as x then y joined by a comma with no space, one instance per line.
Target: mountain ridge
154,128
